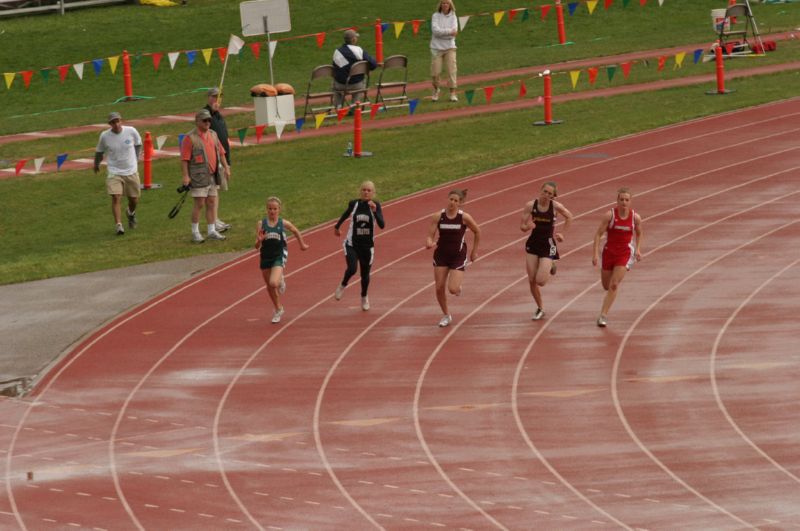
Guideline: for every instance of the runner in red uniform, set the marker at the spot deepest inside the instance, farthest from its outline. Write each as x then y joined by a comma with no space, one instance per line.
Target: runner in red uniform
619,253
450,256
539,217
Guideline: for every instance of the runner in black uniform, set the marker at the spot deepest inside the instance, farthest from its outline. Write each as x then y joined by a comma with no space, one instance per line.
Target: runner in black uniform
359,245
539,217
271,243
450,256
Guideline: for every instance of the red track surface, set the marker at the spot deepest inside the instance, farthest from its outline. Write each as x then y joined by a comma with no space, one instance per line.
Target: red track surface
193,412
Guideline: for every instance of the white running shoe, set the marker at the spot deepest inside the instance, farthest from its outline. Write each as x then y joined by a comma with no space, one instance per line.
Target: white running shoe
214,235
197,237
365,303
538,314
445,321
276,317
453,96
339,292
221,226
120,229
282,287
435,96
601,321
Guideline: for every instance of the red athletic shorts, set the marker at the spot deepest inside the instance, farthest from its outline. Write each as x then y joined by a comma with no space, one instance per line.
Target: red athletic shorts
612,259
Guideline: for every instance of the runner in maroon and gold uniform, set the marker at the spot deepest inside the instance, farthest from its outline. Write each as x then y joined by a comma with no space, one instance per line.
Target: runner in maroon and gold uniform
619,253
450,256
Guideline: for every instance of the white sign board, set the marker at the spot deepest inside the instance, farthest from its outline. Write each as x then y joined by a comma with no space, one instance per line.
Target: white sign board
275,11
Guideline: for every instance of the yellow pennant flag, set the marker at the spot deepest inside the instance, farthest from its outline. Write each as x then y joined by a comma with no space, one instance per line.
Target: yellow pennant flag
679,60
207,54
398,28
591,4
574,75
319,118
498,16
9,78
112,63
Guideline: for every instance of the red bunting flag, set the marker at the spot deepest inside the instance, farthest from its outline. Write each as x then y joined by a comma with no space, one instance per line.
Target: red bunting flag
642,2
626,69
592,74
487,92
63,70
729,47
341,113
373,110
222,52
256,48
259,133
26,77
19,166
157,60
523,90
320,39
545,11
607,4
661,62
511,14
415,26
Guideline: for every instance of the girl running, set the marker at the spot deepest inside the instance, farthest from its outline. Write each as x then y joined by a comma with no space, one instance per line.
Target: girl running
450,256
271,241
619,254
359,245
539,217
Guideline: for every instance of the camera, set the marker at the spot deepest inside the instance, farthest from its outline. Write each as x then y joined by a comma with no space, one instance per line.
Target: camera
184,188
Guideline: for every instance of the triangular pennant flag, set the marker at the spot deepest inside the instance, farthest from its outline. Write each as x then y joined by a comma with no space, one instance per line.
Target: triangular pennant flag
222,53
660,3
97,64
63,70
697,55
373,110
279,125
112,63
157,60
207,55
272,46
190,56
259,133
60,159
20,164
625,3
607,4
180,140
487,92
462,22
661,62
512,13
319,118
173,58
136,59
592,74
642,2
573,76
523,90
545,11
78,69
398,29
611,70
626,69
429,24
45,74
26,77
160,141
590,5
9,76
412,105
572,6
498,16
235,45
469,94
384,27
320,39
415,26
679,59
255,47
341,113
298,124
729,47
37,164
242,133
525,14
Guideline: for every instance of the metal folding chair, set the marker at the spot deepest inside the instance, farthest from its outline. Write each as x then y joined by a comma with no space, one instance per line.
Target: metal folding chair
399,64
321,72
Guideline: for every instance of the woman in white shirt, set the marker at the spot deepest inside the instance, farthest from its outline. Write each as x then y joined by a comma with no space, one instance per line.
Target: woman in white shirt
444,26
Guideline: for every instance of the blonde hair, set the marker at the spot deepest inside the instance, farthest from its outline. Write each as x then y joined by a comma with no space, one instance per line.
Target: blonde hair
460,192
452,6
273,199
624,190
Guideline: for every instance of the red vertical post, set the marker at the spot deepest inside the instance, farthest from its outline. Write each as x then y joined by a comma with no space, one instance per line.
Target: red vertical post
720,73
148,160
548,101
126,75
378,41
357,131
562,34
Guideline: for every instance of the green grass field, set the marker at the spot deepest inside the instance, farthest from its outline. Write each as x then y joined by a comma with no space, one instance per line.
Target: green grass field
59,224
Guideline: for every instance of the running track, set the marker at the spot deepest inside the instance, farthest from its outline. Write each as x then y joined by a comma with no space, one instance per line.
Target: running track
194,412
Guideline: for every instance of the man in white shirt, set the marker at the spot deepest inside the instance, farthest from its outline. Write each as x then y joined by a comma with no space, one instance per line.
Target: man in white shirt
121,144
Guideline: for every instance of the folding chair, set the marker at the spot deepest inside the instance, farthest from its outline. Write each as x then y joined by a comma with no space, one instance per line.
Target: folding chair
356,69
740,22
320,72
395,62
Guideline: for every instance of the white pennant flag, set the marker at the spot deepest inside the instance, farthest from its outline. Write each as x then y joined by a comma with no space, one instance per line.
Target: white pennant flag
660,3
37,164
160,141
78,69
173,58
235,44
462,21
272,46
279,128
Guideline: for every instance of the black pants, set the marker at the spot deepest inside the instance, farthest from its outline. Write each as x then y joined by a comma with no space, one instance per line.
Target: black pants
358,256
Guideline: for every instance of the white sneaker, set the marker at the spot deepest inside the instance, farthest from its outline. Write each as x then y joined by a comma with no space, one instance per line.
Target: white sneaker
197,237
453,96
221,226
276,317
120,229
601,321
282,287
435,96
214,235
365,303
339,292
538,314
445,321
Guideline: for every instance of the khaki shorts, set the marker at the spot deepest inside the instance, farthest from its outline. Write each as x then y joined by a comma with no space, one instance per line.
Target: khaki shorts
123,184
205,191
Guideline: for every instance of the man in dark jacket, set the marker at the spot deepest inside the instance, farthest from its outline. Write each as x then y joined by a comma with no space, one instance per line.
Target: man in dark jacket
343,59
219,126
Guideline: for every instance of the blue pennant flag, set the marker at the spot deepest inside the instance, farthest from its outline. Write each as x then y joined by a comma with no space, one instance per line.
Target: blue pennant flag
191,55
98,65
60,160
384,27
298,124
180,140
412,105
572,7
697,55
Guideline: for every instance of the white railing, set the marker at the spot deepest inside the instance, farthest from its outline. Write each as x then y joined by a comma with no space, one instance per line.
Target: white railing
27,7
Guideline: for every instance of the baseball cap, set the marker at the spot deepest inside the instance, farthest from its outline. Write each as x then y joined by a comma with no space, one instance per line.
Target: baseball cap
202,114
114,116
213,91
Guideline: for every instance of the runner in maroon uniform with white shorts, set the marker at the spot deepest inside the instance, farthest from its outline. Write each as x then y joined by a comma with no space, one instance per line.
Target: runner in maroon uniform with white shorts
619,253
450,256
